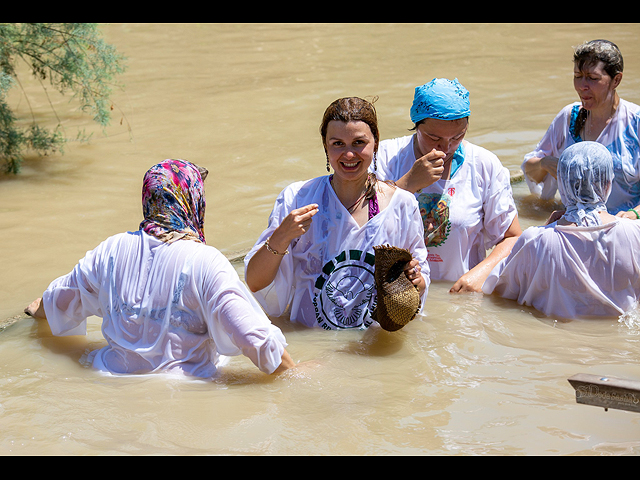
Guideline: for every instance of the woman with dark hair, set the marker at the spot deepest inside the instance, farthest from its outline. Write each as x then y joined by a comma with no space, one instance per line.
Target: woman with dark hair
168,301
316,257
600,116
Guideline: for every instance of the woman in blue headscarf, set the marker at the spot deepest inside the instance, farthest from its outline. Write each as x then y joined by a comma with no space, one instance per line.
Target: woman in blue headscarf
463,190
583,265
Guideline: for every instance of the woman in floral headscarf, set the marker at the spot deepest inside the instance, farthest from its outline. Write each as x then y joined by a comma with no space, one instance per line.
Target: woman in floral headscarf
583,265
168,302
173,201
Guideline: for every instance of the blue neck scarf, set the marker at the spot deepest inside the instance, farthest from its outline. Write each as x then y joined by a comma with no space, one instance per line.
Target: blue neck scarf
457,160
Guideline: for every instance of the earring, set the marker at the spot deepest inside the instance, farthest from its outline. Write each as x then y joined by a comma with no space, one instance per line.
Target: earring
375,163
328,170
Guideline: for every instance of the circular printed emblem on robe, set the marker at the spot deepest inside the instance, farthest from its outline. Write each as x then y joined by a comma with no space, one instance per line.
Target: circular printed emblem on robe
345,292
434,209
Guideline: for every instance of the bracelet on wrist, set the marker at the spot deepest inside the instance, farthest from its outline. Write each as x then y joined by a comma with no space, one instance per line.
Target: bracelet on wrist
636,212
275,252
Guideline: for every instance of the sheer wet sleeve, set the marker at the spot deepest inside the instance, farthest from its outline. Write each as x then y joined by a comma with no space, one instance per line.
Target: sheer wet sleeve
235,320
276,297
512,276
498,205
552,144
70,299
415,242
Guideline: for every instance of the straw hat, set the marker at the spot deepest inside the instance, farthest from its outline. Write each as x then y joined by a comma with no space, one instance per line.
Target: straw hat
398,298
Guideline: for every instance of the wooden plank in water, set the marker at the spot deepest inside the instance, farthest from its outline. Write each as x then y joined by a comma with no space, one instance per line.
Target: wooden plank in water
606,392
237,256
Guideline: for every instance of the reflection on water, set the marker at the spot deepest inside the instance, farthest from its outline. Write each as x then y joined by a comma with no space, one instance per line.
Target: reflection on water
471,375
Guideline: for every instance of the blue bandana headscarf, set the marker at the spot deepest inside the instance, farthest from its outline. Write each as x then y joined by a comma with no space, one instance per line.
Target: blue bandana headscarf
442,99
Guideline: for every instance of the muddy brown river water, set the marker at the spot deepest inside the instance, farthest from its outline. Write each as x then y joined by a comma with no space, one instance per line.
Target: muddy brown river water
472,375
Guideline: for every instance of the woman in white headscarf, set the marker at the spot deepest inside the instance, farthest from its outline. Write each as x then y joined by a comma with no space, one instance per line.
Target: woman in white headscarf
583,265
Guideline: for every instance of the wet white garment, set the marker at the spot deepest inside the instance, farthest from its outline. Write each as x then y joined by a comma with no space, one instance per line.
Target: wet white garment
572,272
470,213
327,278
620,136
173,307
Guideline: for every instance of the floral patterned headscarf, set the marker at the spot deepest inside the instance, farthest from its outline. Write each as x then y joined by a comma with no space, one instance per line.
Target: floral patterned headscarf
173,201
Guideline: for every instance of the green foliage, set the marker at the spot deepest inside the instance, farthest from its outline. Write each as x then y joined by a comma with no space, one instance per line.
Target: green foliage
74,59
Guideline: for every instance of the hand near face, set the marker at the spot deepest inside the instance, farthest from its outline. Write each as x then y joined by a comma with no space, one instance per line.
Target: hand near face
428,169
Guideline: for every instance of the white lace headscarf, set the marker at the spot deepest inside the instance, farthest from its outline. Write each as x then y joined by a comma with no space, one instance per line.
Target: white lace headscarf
585,173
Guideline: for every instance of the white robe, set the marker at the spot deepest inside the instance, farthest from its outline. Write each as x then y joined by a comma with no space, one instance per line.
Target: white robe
572,272
165,307
474,209
620,136
327,278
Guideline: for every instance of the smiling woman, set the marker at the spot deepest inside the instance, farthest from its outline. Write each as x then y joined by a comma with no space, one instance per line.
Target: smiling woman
316,256
350,147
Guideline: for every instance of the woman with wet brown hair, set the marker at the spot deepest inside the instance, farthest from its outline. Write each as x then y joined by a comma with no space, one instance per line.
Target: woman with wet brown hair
315,259
600,116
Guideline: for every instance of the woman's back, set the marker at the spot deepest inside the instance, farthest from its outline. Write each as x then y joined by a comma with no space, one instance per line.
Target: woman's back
569,271
165,307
